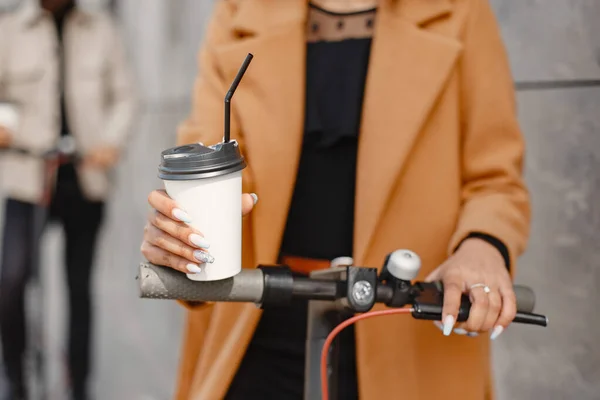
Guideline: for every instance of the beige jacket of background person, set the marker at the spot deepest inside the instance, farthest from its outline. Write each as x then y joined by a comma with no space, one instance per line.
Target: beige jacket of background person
99,94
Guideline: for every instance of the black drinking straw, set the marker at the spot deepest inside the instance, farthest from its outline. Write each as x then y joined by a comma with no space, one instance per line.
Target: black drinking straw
229,95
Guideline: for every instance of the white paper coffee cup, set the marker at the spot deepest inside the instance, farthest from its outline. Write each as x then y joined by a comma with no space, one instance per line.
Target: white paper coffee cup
206,181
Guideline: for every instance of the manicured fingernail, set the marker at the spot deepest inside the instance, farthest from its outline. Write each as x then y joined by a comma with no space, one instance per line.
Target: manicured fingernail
181,215
254,198
472,334
203,257
460,331
439,325
496,332
199,241
448,325
193,268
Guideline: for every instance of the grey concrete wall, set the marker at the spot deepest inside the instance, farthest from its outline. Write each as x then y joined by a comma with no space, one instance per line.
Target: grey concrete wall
557,40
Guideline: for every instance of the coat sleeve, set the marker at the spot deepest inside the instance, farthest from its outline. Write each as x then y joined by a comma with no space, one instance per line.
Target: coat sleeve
121,90
494,198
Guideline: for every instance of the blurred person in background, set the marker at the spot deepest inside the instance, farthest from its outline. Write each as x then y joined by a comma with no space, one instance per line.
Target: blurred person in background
65,70
367,126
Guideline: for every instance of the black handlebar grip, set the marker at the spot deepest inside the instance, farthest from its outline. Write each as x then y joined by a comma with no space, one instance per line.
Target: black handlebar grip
428,303
166,283
525,298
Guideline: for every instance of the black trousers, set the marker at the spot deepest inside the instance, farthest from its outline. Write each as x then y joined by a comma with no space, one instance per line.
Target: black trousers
81,220
273,366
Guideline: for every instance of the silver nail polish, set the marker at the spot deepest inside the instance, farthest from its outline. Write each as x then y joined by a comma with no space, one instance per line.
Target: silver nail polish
460,331
199,241
193,268
203,257
438,325
472,334
254,198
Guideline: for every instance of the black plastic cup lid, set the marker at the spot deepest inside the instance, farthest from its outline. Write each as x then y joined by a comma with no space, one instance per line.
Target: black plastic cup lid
195,161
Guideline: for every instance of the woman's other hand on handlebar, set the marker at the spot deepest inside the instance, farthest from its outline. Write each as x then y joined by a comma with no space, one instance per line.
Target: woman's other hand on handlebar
477,263
5,137
171,242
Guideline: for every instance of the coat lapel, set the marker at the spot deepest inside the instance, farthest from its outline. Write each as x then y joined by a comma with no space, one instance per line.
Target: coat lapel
270,104
408,68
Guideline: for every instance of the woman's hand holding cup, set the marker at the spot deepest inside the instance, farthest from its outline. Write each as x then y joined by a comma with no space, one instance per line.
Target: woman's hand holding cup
170,241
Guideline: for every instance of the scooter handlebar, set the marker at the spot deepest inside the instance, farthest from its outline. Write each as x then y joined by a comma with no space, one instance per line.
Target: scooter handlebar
249,285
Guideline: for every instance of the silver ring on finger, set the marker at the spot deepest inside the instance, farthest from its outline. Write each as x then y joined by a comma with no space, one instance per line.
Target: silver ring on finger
485,287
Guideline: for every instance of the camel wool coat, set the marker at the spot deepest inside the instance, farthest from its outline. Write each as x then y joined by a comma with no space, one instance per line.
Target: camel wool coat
440,156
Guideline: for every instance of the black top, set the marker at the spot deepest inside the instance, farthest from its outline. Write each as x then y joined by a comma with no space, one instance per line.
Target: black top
59,21
66,172
321,217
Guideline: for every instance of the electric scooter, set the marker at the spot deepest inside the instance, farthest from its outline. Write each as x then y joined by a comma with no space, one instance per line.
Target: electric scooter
334,295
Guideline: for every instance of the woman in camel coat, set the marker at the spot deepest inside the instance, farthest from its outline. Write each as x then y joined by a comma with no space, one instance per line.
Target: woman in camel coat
435,155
